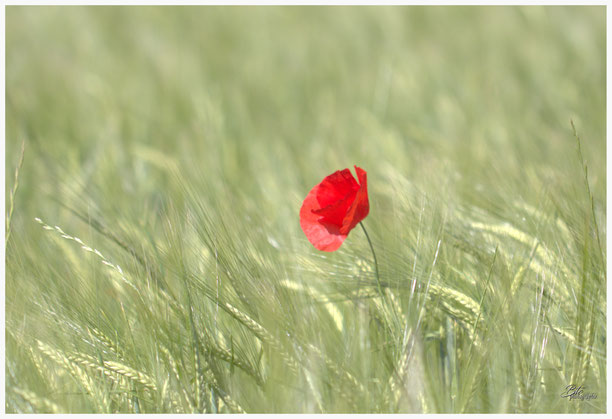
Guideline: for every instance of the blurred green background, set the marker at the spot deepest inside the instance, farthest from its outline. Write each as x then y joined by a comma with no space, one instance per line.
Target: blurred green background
159,122
481,92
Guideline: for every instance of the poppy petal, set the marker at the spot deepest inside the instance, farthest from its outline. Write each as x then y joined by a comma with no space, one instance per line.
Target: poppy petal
360,206
334,213
324,236
334,207
335,187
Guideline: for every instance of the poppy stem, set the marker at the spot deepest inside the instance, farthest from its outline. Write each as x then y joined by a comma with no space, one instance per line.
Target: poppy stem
375,261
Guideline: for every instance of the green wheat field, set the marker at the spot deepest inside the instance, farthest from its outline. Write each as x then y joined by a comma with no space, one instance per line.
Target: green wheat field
156,160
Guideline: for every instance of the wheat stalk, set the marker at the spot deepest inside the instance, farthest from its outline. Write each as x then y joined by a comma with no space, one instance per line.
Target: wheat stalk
9,214
107,367
262,334
106,341
39,404
105,261
223,353
174,370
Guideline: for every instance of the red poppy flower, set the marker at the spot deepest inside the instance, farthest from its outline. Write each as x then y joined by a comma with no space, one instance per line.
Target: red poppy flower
334,207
